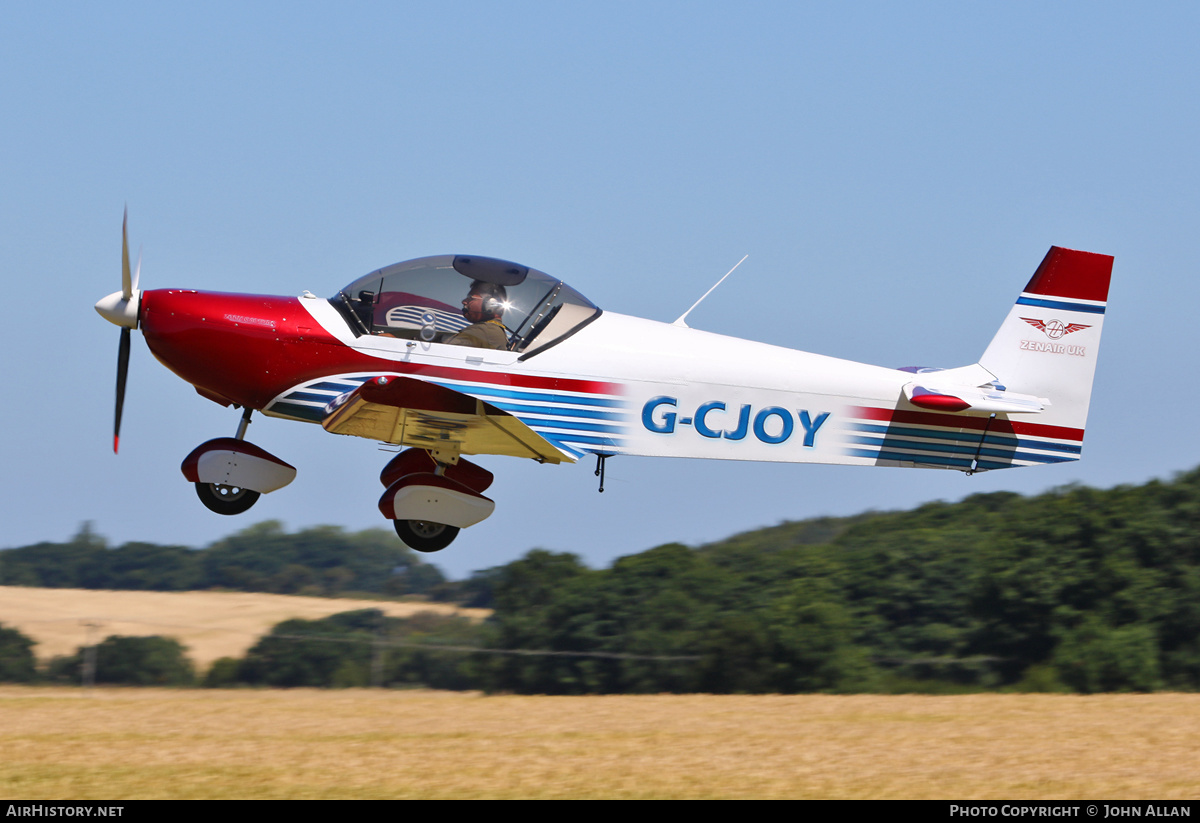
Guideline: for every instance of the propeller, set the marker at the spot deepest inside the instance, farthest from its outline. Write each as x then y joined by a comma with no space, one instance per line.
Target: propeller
121,309
122,373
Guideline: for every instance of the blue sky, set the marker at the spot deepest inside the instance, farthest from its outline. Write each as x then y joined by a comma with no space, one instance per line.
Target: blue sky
895,172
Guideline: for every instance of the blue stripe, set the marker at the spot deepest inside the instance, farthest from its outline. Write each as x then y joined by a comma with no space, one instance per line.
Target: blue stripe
555,437
1004,441
574,425
473,389
514,408
565,443
934,447
937,460
989,465
1050,447
564,447
547,397
340,388
1059,304
972,438
898,443
311,397
910,458
1042,458
313,413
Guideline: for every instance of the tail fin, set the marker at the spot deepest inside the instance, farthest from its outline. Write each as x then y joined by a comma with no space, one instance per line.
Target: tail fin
1048,344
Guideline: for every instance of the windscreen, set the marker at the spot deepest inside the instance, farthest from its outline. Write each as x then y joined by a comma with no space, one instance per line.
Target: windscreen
424,299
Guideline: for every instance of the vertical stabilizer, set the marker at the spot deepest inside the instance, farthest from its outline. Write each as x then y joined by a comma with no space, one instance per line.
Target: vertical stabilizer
1048,344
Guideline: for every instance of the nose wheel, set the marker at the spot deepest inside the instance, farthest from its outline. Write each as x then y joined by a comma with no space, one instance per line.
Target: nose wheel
224,499
230,473
423,536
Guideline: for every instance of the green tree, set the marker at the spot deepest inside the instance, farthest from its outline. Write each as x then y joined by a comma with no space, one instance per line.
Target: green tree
1098,658
311,652
142,661
266,557
529,614
222,674
737,657
17,663
812,633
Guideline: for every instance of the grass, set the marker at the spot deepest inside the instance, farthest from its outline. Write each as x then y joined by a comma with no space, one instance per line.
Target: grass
119,744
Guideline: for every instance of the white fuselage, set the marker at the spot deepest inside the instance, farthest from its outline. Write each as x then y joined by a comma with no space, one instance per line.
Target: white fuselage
626,385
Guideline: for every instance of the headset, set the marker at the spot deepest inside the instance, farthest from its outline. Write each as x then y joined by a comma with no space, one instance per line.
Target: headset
494,297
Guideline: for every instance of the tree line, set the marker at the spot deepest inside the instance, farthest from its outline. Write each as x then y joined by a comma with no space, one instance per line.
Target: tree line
1076,589
319,561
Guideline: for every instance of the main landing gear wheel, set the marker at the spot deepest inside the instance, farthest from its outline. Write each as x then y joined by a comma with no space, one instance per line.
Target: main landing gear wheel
423,536
224,499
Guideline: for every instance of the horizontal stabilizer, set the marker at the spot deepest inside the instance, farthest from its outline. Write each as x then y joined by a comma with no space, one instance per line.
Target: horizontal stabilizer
954,398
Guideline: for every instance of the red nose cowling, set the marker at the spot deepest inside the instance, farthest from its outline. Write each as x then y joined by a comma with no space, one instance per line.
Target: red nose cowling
240,348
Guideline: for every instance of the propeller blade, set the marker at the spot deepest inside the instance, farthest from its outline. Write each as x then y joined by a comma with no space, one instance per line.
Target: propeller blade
122,373
126,280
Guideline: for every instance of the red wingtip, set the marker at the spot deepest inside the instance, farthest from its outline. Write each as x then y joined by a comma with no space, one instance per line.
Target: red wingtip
1078,275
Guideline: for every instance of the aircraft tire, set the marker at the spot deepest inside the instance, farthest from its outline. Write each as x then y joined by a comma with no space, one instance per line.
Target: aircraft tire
423,536
224,499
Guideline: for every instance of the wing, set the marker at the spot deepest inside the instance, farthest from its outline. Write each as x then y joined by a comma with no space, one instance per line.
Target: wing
409,412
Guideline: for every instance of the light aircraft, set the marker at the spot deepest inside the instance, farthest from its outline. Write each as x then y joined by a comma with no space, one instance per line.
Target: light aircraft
464,355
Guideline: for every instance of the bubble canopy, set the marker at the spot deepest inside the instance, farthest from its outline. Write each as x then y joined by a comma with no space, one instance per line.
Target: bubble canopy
423,298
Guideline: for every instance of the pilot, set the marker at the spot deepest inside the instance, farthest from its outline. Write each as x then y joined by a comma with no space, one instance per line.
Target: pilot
483,306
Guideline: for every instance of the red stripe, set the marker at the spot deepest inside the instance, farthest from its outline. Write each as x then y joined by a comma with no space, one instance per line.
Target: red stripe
1078,275
240,348
955,422
504,379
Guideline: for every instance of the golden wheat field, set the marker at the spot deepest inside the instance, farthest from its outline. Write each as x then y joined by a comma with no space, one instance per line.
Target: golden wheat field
210,624
112,743
65,743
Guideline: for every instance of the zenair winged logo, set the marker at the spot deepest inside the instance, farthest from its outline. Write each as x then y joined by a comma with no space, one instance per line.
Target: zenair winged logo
1055,329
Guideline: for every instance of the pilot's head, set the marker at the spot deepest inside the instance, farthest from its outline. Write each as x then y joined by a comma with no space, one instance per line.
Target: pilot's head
485,301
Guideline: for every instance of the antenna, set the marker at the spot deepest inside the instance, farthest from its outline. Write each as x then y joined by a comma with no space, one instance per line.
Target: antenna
680,321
